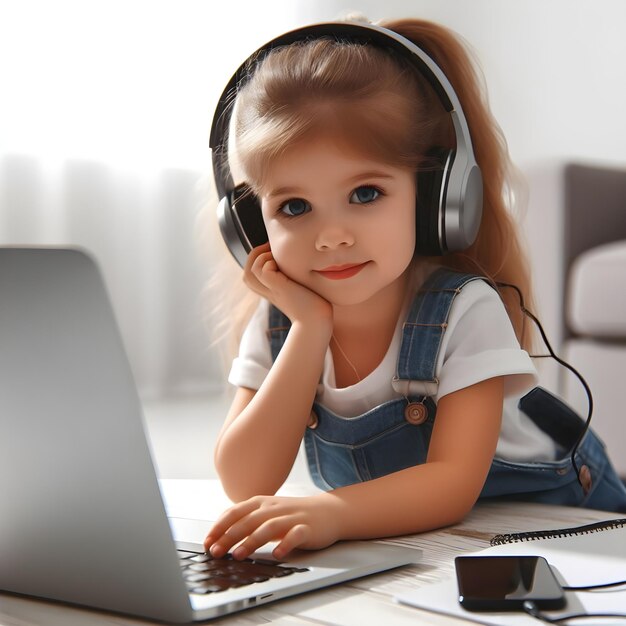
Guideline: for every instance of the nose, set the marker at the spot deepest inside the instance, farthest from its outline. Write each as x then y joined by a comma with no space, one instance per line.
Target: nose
333,235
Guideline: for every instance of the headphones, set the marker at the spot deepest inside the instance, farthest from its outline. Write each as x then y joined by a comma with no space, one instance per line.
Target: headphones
449,199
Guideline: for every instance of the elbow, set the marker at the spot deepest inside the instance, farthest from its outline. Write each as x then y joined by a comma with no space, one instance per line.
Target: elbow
454,510
467,496
460,511
229,478
235,486
239,491
233,481
458,500
235,492
238,481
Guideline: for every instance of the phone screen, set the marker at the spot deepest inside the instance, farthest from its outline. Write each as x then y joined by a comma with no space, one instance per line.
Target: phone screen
504,583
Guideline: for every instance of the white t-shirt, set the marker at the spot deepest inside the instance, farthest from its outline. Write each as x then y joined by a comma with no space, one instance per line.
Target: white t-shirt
479,343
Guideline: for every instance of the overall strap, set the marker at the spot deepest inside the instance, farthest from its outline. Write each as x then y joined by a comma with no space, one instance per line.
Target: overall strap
423,331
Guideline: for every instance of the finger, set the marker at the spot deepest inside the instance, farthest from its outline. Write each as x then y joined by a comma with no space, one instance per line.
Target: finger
256,275
253,283
264,247
255,253
250,528
270,530
234,525
297,536
231,516
263,263
220,544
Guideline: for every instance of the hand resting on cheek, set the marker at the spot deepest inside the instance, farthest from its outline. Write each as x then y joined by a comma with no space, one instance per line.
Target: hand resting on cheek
298,303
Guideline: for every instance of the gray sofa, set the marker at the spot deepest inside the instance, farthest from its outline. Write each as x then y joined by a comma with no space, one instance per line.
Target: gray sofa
594,298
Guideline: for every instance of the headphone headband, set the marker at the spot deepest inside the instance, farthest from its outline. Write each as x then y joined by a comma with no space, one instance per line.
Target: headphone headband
458,198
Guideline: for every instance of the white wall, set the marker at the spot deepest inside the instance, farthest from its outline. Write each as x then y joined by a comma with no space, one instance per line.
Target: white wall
129,82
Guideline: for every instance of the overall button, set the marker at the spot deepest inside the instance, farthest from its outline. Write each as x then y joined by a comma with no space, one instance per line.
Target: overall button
313,421
415,413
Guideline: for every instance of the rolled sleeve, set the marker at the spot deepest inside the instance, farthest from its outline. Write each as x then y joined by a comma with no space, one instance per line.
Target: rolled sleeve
254,361
480,343
462,372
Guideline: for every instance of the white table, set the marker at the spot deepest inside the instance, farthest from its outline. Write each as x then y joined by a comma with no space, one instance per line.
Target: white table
363,602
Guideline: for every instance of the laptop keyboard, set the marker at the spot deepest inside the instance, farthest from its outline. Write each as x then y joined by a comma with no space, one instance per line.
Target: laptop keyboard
205,574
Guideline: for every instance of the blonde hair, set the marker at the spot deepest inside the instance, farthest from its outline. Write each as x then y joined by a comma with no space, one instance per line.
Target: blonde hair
371,100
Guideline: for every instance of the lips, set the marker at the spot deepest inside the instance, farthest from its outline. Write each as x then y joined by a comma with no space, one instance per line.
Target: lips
341,272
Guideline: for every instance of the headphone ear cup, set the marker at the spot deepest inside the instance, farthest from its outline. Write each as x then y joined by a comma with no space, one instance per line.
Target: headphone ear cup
246,206
432,181
241,222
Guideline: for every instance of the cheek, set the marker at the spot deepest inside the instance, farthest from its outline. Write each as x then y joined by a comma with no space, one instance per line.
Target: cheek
275,235
279,242
279,237
409,235
398,234
285,249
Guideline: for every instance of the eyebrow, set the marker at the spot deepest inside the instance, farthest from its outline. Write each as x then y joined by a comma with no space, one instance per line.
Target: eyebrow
361,176
369,175
283,191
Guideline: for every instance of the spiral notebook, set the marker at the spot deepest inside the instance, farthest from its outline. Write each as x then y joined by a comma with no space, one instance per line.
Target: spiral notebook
582,555
559,533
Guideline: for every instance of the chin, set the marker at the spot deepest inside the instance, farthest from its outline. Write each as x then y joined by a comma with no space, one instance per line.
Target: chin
348,296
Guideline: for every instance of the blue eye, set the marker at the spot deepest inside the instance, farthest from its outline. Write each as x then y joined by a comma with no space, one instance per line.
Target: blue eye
295,207
364,195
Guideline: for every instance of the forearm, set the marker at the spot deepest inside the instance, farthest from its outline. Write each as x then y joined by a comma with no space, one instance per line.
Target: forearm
257,448
442,490
414,500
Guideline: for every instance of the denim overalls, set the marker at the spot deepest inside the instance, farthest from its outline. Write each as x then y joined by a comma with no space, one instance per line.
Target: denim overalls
395,435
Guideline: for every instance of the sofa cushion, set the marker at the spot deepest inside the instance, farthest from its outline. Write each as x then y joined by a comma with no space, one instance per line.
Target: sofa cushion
596,304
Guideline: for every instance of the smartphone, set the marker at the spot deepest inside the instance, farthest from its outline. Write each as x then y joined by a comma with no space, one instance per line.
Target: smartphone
504,583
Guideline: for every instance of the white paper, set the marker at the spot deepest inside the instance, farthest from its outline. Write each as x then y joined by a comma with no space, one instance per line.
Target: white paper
586,559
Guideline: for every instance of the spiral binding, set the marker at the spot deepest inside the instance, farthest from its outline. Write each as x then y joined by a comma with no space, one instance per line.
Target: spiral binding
558,532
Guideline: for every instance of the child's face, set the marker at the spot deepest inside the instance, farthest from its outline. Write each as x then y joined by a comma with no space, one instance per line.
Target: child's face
338,223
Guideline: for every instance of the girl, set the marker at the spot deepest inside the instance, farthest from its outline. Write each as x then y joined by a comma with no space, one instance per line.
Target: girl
394,357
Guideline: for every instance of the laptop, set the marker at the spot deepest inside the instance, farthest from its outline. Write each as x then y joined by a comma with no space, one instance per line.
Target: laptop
82,517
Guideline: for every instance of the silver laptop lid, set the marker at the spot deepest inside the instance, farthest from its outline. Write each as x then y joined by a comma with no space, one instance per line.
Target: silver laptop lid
77,484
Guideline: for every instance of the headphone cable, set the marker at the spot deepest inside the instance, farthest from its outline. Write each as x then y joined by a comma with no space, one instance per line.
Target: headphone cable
532,609
565,364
